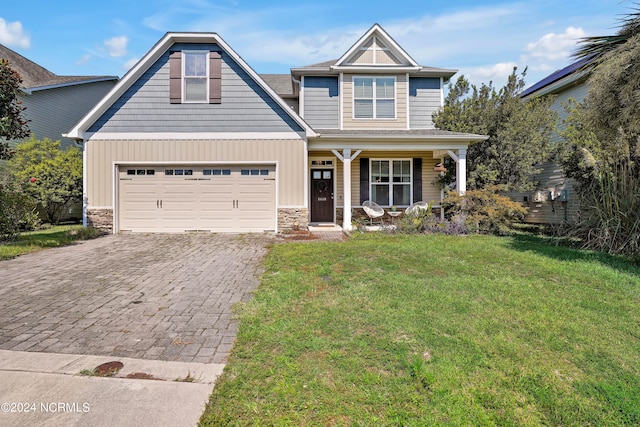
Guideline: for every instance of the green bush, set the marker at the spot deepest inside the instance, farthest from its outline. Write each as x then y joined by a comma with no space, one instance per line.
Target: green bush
17,213
423,221
485,210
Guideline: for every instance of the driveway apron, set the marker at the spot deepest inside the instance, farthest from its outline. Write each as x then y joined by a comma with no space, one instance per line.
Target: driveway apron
148,296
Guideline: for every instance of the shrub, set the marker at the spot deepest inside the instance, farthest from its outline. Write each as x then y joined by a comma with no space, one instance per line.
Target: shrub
423,221
17,213
485,210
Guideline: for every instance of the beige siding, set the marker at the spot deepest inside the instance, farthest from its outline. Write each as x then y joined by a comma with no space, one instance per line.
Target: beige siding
430,192
289,154
400,122
384,57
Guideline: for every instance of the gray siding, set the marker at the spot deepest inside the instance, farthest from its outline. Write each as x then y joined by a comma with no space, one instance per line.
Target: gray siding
54,111
547,211
425,98
245,106
322,102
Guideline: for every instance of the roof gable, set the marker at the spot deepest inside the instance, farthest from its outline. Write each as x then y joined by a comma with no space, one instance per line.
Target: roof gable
376,48
156,52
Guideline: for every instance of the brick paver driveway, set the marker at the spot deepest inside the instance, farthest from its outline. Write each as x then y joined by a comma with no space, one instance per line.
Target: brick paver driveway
149,296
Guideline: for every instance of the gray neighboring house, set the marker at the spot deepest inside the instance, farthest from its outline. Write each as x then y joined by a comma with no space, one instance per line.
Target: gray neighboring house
554,201
55,103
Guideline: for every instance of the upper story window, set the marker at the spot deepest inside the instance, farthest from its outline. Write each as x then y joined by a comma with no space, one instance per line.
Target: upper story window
374,97
195,77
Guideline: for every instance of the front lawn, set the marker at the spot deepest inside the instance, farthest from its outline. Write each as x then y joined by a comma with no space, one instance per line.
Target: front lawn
435,330
51,237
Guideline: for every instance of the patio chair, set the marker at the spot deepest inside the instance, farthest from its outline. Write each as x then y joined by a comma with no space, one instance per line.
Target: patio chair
417,208
373,211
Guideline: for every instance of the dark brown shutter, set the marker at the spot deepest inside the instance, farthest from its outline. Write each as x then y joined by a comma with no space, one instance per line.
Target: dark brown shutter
364,179
417,179
215,78
175,77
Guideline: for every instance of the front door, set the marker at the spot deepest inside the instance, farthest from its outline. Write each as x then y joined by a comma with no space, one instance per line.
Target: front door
322,195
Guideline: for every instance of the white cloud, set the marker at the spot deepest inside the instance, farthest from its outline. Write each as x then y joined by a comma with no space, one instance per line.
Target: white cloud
116,46
84,59
130,63
552,47
12,34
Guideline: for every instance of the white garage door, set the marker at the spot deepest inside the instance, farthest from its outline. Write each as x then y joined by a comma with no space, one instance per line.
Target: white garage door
197,198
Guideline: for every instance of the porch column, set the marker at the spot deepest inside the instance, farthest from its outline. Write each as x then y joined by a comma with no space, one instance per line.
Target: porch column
461,172
346,157
461,169
346,183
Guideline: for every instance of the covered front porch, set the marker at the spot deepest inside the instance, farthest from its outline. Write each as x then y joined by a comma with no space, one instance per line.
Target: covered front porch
346,168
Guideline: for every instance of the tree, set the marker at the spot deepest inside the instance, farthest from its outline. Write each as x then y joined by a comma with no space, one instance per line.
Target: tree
602,153
12,123
519,131
50,176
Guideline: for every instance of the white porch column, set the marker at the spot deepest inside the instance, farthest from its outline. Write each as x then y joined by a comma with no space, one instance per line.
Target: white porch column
346,158
461,169
461,172
346,183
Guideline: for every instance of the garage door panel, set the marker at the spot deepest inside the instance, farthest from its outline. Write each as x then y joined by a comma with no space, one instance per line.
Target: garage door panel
219,199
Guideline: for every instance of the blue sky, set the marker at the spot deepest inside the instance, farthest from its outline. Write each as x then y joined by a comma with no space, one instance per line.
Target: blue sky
484,40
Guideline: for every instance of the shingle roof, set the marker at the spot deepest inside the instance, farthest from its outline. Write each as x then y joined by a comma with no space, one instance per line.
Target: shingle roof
34,75
395,133
280,83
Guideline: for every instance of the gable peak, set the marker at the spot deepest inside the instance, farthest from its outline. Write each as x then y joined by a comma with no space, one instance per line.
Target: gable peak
376,48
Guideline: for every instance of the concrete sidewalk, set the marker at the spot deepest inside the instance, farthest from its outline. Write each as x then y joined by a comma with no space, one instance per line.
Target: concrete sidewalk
47,389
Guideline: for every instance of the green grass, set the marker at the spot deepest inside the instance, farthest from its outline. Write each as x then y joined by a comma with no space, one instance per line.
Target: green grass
52,237
435,330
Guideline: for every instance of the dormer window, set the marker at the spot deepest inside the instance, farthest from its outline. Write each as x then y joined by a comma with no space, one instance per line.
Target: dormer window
194,77
374,98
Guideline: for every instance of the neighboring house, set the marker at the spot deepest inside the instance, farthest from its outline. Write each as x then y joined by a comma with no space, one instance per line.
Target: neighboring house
192,138
554,201
55,103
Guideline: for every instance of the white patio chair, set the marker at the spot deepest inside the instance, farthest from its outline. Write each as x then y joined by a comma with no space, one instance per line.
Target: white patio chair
373,210
417,208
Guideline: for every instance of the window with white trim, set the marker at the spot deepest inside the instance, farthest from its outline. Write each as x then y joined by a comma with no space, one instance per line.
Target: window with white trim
195,77
374,97
391,182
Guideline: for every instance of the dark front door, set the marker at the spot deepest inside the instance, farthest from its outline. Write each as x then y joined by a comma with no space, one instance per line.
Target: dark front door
322,195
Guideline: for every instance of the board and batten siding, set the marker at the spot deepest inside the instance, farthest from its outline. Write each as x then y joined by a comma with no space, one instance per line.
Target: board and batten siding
289,155
425,98
54,111
322,102
400,122
245,106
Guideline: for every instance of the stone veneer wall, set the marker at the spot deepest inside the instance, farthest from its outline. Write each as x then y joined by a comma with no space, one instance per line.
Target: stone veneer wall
101,219
287,217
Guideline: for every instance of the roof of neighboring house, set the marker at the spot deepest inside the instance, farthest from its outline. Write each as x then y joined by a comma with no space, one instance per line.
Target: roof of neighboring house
556,76
36,77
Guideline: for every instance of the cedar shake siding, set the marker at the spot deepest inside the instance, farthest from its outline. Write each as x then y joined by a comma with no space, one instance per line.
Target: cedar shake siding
146,106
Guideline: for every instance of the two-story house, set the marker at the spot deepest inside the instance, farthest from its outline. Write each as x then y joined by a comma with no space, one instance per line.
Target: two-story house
192,138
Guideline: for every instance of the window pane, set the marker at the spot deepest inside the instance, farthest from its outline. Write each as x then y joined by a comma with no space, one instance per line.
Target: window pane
401,171
206,172
401,195
380,171
384,88
385,109
195,64
363,87
363,109
195,89
380,194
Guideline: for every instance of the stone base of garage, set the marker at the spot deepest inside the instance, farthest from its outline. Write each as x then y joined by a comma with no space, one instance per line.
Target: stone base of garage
293,219
288,219
100,219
